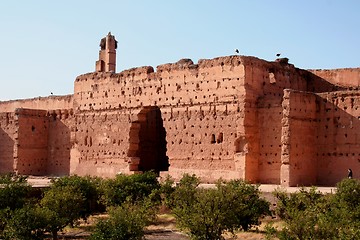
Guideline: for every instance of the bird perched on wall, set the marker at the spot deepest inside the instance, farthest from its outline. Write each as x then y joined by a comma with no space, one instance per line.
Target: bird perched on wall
237,51
278,54
51,93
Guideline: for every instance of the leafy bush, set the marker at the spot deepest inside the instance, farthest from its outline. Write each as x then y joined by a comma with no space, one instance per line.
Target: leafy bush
308,214
348,196
184,192
14,191
125,222
26,223
62,206
131,188
208,213
88,186
14,194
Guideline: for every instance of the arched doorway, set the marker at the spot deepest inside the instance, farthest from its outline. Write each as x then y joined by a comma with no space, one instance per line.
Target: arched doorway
147,137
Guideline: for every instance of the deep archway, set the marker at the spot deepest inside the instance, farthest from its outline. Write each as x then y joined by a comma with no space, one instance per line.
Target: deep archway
147,150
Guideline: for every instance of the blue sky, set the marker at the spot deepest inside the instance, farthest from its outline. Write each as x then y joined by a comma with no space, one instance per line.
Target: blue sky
46,44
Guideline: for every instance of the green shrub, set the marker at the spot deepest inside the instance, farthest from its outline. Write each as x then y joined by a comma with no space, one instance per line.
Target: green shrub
14,191
26,223
62,206
89,187
208,213
131,188
348,196
126,222
14,194
184,192
166,191
308,214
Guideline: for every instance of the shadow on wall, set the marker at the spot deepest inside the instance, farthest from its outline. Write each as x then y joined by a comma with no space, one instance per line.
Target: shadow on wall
338,136
59,148
317,84
6,152
147,148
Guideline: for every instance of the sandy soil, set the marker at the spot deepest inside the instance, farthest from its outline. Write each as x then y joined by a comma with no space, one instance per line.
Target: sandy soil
163,229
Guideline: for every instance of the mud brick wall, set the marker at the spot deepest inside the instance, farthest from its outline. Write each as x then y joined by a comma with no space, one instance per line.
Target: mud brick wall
270,114
181,83
100,143
198,103
61,124
346,77
39,103
225,117
201,140
338,135
298,154
31,141
8,134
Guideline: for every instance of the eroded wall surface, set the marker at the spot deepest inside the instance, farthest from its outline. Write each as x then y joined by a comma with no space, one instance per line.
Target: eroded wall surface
338,136
61,128
40,103
299,148
346,77
31,154
198,104
270,114
227,117
8,130
100,143
262,128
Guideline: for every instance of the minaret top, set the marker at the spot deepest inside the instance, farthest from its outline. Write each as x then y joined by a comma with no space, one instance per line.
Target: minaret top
107,54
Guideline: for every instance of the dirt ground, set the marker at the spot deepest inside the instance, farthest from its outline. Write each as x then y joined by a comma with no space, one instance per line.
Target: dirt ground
163,229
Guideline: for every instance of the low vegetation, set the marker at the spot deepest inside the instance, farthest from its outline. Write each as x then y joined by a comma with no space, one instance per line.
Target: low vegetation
209,213
131,203
308,214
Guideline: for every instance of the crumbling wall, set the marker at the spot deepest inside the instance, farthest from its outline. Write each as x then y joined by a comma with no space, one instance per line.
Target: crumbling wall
224,117
201,98
299,129
201,140
346,77
31,151
181,83
100,143
270,124
39,103
8,130
264,84
338,136
61,125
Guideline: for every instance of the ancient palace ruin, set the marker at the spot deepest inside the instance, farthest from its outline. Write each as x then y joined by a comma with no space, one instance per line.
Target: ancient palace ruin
227,117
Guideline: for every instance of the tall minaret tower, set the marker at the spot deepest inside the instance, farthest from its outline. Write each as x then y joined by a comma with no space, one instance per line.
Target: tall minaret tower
107,54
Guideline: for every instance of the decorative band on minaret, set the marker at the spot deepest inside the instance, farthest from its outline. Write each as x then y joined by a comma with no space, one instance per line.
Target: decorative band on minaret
107,54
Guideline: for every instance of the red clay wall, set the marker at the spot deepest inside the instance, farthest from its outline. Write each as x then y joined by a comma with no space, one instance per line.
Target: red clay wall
270,124
8,130
338,136
347,77
40,103
298,155
223,117
264,86
61,125
100,143
196,101
201,140
31,154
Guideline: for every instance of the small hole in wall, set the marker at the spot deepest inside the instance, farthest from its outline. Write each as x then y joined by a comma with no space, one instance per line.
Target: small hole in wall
213,139
33,128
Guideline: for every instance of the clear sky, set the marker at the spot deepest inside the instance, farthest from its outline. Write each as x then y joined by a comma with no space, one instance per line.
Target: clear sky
46,44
